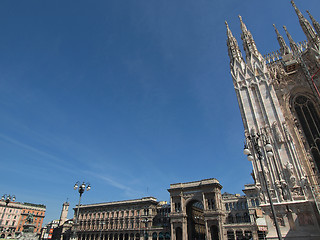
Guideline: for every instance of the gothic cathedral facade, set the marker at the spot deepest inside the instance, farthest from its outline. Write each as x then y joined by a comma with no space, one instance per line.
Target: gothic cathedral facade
279,103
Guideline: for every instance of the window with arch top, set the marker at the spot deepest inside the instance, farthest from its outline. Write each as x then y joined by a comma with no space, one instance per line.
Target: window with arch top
309,120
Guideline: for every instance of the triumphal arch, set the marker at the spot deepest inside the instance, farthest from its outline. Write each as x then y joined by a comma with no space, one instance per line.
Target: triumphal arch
196,210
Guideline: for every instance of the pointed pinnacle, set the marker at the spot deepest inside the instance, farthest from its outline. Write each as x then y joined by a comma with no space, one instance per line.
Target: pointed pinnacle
288,34
309,14
296,9
315,24
229,33
293,45
277,32
283,46
243,26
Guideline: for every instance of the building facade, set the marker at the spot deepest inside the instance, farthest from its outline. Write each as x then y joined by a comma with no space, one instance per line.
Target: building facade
144,218
10,215
238,224
38,212
14,217
197,211
279,103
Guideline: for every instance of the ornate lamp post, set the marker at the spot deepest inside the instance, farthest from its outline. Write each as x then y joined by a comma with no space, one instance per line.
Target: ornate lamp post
7,199
253,142
81,188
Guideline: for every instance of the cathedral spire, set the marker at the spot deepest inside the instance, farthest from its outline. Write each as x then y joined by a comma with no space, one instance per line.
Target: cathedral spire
312,37
300,16
284,49
233,47
243,26
315,24
249,44
293,45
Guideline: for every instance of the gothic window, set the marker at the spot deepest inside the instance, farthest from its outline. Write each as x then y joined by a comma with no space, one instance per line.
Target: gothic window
310,124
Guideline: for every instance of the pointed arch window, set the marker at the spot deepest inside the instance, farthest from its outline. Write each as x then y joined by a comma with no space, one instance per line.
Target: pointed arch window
310,124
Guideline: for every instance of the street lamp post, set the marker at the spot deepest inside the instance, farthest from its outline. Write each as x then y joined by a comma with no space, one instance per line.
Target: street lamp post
7,199
253,140
81,188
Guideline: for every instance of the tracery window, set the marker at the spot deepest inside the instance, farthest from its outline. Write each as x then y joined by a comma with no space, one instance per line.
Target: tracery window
310,124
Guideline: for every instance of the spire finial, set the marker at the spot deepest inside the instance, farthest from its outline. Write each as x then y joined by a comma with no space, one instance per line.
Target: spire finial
233,48
313,39
277,32
249,44
284,49
293,45
296,9
243,26
229,33
315,24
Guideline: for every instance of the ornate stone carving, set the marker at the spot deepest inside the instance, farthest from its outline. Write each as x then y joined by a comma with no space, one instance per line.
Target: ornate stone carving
277,132
290,173
280,191
285,191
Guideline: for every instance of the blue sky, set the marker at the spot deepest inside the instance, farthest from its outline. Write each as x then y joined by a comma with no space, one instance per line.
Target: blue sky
129,95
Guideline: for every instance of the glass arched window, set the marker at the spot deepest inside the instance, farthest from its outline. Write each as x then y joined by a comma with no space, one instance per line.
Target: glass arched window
310,123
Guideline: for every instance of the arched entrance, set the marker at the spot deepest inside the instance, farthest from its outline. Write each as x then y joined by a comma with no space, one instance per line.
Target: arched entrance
195,221
214,232
178,233
189,202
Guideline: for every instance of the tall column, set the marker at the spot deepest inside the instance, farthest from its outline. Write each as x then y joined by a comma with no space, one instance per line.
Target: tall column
184,228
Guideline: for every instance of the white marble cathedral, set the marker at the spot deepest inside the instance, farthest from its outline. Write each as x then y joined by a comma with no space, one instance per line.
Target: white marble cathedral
279,102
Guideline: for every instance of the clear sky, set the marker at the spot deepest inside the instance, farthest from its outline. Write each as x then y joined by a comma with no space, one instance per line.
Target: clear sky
129,95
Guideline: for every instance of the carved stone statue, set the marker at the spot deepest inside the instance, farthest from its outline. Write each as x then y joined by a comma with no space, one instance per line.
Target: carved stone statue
29,218
290,171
